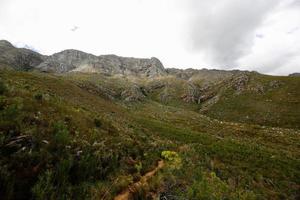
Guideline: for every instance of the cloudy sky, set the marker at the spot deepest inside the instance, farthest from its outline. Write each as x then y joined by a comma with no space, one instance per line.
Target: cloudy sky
261,35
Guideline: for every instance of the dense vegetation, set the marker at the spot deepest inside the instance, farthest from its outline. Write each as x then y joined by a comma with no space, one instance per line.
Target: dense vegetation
61,138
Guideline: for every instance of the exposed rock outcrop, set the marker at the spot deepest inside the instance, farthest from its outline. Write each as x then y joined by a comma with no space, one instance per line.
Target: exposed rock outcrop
100,90
165,96
240,82
133,94
205,75
5,44
66,61
74,60
18,58
192,93
155,85
275,84
189,85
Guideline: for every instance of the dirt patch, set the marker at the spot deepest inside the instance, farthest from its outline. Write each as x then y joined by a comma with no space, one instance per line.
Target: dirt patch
133,188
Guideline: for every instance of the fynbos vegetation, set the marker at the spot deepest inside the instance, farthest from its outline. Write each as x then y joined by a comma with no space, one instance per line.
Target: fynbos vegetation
169,134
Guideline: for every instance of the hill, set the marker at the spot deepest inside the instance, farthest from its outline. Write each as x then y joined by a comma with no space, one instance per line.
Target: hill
75,135
295,74
239,96
74,60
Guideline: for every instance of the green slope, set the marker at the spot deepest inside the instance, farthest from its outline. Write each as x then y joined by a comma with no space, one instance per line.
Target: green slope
261,103
60,140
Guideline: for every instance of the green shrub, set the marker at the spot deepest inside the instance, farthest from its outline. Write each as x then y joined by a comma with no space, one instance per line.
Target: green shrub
61,134
6,182
84,168
3,87
27,87
138,166
172,158
62,173
2,102
55,184
44,188
97,122
210,186
11,112
38,96
122,182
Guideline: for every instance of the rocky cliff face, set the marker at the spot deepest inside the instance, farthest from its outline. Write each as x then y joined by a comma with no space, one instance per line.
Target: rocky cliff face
139,79
74,60
66,61
77,61
18,59
206,75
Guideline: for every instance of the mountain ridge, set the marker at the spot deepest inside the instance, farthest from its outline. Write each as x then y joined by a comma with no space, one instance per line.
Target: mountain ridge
74,135
110,64
224,95
75,60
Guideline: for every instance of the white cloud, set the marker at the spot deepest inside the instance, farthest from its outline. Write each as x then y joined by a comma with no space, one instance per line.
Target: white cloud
225,30
162,28
278,52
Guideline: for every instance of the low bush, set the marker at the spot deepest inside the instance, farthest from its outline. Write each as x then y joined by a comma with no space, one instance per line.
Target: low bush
3,87
210,186
44,188
97,122
2,102
38,96
61,134
172,158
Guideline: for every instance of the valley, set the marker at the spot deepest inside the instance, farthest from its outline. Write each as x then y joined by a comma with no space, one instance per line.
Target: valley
69,132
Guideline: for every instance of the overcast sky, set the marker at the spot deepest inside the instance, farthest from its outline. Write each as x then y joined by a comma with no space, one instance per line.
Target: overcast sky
261,35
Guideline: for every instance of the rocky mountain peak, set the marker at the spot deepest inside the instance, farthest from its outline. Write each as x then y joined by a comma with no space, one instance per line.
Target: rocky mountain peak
74,60
5,43
18,58
70,53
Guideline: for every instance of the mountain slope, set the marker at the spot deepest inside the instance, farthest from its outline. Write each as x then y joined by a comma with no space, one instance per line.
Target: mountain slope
18,59
92,126
266,100
74,60
239,96
245,97
60,141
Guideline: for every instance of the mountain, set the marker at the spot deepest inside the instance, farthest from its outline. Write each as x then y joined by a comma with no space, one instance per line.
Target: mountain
295,74
18,58
74,60
240,96
101,127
